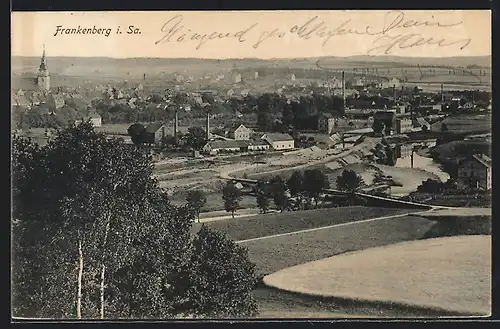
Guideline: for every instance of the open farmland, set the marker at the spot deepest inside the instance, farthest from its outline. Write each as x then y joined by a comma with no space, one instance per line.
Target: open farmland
465,123
274,254
450,274
269,224
460,149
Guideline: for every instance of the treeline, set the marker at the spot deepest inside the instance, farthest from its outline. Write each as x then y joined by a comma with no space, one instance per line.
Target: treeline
94,236
43,117
301,191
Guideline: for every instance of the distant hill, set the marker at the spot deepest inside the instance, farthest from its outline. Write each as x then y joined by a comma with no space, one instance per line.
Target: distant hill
91,68
61,63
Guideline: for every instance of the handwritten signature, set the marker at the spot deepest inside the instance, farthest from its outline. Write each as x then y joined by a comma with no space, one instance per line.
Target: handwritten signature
396,31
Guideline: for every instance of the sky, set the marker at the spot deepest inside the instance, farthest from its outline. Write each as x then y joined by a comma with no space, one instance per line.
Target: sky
257,34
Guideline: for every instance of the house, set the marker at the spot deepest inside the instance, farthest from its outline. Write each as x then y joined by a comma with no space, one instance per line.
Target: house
236,77
393,83
259,145
421,124
240,133
21,100
225,146
475,172
403,150
327,142
155,132
469,106
403,126
388,118
92,116
279,141
326,123
56,101
131,103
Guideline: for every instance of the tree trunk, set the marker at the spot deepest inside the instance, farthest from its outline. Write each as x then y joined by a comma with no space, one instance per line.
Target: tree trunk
80,276
232,213
103,270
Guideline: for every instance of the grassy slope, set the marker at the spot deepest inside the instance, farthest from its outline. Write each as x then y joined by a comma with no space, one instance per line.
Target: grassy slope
279,253
446,273
271,255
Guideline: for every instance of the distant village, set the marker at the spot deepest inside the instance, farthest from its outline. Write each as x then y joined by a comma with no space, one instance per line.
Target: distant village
333,114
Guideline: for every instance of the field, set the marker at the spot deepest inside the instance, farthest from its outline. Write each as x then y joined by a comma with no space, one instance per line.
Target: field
460,149
269,224
465,123
450,273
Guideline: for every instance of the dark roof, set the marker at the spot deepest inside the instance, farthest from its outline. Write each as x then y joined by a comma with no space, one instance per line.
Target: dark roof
481,158
258,142
94,115
221,144
279,137
326,115
153,127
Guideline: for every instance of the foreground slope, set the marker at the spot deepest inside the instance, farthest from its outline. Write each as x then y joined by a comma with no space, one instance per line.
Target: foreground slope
451,274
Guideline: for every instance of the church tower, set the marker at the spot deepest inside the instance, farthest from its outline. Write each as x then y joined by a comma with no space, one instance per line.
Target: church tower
43,77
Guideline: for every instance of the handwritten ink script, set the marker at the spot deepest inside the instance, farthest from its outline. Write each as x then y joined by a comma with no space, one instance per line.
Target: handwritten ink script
396,31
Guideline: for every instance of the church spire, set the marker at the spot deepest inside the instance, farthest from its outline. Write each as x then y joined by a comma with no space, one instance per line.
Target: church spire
43,63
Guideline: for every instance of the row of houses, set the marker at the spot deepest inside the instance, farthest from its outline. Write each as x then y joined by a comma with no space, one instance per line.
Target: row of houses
394,123
268,141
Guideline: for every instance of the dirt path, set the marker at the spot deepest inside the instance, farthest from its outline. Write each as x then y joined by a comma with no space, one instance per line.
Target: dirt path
227,174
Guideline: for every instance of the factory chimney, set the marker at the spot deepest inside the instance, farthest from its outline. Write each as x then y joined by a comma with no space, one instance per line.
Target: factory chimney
176,125
394,91
144,76
208,126
442,93
343,89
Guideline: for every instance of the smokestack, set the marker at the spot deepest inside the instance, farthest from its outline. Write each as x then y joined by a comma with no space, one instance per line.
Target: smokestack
442,93
343,88
394,91
176,125
208,126
144,76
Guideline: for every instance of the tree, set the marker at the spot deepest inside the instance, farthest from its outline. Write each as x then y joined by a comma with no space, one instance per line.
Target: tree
196,200
111,244
378,127
278,191
232,197
87,182
262,202
262,192
288,116
349,181
390,156
222,286
315,181
136,133
196,138
295,183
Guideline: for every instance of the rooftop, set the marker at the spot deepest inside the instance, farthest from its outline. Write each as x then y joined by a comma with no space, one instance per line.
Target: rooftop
278,137
153,127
